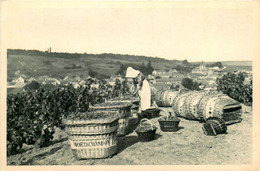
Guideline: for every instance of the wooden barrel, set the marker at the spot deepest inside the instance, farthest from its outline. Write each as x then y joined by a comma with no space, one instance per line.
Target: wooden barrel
165,98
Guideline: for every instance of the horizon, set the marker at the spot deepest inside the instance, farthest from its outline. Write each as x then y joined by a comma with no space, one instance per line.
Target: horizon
130,55
171,30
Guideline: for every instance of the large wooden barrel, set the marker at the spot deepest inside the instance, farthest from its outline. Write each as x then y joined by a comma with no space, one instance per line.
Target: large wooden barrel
165,98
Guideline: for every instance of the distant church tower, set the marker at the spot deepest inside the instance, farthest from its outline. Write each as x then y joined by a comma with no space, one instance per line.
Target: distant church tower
50,50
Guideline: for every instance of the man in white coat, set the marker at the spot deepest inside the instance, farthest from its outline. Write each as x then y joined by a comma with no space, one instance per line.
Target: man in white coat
142,87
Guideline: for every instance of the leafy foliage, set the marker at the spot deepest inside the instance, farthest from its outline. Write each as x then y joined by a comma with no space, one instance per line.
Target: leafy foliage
34,85
216,64
233,84
32,115
190,84
146,70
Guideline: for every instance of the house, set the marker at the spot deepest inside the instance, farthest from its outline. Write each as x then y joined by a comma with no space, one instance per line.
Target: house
210,72
154,73
82,83
56,82
94,86
19,82
75,85
202,69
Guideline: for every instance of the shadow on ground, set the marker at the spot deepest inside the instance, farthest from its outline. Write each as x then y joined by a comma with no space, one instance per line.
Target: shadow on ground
125,142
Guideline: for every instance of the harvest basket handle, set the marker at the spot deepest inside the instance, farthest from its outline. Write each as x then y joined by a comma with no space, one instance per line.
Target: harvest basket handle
145,119
166,111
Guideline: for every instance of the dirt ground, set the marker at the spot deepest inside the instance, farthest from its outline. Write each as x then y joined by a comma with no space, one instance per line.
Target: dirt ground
188,146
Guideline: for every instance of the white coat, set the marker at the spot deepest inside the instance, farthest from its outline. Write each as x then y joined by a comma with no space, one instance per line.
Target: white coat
145,96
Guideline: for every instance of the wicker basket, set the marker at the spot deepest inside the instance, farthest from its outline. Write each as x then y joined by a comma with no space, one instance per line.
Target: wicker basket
145,136
179,103
193,103
122,108
133,119
152,113
175,103
123,126
188,100
167,125
95,126
92,138
214,105
128,99
214,126
165,98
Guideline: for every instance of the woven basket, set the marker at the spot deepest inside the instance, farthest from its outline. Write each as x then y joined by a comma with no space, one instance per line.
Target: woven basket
92,138
152,113
215,105
133,119
193,103
111,105
179,103
186,106
121,108
214,126
128,99
146,135
123,126
124,109
207,102
95,126
167,125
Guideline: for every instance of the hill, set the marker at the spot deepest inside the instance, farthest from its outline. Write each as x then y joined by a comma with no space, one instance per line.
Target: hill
35,63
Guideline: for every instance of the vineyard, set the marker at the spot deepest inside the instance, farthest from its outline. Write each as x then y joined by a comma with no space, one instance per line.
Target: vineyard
32,115
35,119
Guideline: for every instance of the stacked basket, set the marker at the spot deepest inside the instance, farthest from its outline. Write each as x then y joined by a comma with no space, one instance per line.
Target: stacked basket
123,109
133,118
93,138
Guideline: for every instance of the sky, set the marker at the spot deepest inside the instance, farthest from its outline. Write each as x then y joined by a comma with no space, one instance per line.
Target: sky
196,32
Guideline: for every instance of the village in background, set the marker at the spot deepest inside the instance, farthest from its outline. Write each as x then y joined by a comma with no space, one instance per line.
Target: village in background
61,69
